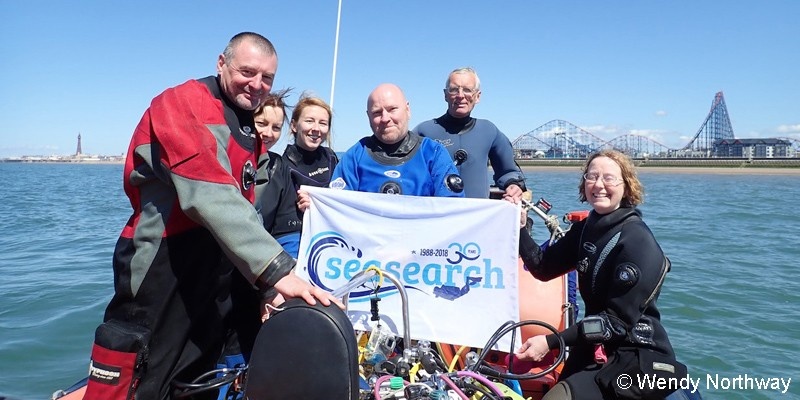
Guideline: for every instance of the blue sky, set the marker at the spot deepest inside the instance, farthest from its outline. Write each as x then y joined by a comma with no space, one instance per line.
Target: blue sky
611,67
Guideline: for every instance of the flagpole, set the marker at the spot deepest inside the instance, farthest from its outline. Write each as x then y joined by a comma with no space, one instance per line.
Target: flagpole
335,51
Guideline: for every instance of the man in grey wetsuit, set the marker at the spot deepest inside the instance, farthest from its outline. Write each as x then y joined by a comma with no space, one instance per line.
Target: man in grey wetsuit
473,143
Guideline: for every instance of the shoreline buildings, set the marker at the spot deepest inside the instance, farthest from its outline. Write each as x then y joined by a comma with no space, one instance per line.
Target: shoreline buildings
78,157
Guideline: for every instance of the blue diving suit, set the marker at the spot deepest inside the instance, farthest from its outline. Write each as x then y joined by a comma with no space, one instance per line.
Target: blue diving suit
415,166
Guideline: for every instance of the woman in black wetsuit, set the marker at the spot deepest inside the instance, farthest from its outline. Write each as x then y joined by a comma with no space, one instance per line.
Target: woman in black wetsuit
269,118
621,268
305,162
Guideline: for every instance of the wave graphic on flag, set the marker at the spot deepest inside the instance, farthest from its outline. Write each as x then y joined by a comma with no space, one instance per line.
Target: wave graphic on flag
328,240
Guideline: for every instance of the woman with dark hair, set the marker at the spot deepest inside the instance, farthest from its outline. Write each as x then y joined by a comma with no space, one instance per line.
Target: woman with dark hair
621,269
269,119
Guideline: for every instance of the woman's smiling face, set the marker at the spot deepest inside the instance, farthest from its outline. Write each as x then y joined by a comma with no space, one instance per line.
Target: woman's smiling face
269,124
604,186
311,128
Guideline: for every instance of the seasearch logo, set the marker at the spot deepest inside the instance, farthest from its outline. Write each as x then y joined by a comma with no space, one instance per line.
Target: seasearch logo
332,262
470,251
330,240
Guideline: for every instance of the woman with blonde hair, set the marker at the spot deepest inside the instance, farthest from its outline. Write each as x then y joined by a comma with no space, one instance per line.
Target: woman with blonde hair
307,161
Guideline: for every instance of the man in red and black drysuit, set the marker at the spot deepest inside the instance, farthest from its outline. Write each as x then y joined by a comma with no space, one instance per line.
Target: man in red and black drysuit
190,176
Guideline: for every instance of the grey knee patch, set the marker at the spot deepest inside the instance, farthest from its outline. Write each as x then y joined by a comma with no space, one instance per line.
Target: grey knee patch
558,392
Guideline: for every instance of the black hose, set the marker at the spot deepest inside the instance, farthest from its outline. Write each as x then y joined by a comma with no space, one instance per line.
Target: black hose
483,391
491,342
479,367
200,384
511,350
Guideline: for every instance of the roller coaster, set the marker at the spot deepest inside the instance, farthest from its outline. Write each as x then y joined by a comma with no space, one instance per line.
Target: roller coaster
562,139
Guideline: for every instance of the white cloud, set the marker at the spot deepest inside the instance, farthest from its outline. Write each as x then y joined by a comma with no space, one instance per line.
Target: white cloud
661,113
789,129
605,131
654,134
660,136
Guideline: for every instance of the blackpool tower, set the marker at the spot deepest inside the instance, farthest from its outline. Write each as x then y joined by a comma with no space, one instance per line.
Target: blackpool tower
78,152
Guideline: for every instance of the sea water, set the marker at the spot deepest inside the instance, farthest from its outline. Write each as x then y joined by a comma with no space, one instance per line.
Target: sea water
730,302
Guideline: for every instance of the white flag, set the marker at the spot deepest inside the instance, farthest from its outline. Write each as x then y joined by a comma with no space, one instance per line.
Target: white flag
457,259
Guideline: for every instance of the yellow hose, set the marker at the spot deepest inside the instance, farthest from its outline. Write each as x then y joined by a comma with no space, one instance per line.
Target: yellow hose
379,272
456,358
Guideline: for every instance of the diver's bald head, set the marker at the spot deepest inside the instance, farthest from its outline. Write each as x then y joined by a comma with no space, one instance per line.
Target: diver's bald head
389,113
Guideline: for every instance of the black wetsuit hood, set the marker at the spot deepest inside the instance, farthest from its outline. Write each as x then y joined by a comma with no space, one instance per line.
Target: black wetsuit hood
313,168
598,224
235,116
397,150
455,125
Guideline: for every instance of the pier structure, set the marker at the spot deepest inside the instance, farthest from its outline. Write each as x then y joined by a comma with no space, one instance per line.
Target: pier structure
715,138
